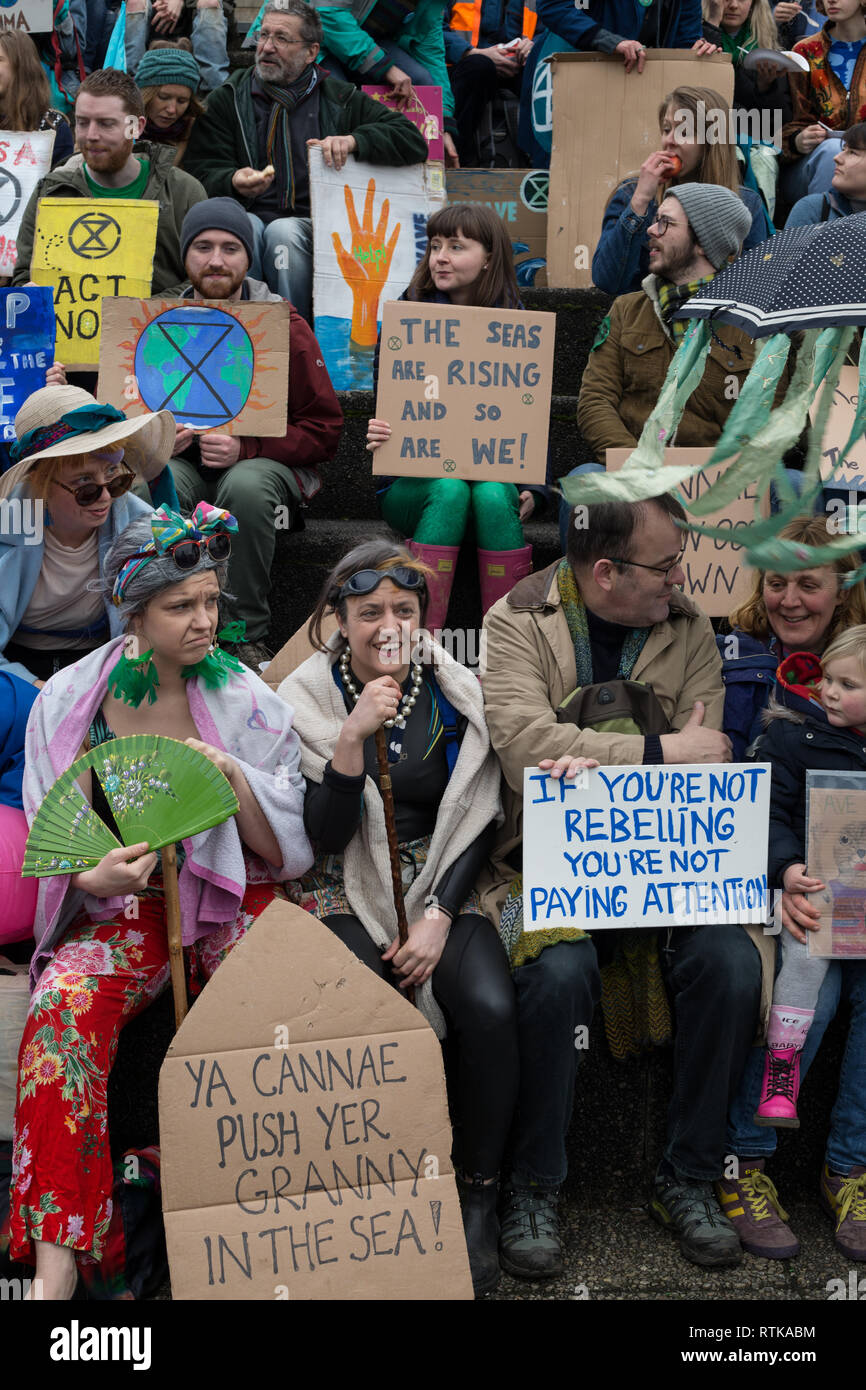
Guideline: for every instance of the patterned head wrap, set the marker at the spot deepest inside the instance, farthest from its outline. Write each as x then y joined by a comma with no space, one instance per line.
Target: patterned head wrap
168,528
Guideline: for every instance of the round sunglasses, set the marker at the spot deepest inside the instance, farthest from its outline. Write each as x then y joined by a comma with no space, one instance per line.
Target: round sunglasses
186,553
365,581
88,493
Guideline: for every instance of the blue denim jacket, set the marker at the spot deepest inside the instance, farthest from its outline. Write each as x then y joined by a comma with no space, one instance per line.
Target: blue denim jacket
621,260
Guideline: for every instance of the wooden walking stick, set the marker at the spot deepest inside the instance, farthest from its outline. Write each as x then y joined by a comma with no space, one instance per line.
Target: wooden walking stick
173,928
393,847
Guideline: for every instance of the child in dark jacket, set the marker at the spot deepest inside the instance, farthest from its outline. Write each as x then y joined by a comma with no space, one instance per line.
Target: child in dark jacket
822,727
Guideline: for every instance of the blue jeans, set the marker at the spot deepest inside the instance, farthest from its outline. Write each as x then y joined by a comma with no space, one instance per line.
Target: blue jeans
208,44
846,1142
399,59
714,977
813,173
283,258
93,22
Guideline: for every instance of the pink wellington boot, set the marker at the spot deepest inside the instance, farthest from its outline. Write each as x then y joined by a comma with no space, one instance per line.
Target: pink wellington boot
786,1037
442,560
500,570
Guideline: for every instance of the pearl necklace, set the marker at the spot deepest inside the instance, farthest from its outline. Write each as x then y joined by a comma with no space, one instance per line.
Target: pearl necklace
408,702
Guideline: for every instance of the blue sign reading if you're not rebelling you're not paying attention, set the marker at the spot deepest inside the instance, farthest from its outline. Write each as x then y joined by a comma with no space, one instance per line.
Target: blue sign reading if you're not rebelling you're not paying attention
27,331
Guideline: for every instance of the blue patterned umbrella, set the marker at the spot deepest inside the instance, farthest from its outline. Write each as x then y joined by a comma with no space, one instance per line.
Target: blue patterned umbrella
803,277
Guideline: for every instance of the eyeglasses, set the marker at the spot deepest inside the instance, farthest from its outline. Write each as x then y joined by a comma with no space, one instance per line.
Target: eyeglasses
278,40
88,493
671,569
662,222
365,581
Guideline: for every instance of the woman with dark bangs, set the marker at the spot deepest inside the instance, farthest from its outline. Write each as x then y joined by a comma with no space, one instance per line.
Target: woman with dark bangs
468,261
25,96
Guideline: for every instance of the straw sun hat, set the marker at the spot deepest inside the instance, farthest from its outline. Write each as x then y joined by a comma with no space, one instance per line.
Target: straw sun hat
147,440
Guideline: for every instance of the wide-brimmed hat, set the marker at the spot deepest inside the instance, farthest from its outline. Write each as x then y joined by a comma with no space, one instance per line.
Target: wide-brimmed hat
61,421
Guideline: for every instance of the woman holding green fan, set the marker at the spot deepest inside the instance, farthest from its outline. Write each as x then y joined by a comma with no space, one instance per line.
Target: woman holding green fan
96,965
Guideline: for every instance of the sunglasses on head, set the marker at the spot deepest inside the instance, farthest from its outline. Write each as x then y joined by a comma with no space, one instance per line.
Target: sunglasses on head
88,493
186,553
365,581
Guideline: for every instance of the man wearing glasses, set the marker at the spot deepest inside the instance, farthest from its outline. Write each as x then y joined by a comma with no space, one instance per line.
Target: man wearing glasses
251,143
613,611
698,229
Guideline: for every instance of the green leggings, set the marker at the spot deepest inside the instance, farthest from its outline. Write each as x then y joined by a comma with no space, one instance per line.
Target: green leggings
435,511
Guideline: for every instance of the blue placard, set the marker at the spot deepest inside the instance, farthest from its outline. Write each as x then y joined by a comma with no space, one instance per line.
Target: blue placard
26,348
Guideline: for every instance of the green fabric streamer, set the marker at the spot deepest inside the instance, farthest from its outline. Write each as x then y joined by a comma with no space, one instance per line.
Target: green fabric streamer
134,681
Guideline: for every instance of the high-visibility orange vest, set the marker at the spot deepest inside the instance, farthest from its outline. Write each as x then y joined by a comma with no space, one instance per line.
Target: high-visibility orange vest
466,17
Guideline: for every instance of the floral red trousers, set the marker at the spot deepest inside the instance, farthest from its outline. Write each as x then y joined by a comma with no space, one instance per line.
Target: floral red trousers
102,974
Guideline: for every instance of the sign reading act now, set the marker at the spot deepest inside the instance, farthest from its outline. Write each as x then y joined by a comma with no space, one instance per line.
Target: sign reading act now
466,392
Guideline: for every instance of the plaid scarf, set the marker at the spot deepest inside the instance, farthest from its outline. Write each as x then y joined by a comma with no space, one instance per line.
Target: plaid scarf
672,298
278,144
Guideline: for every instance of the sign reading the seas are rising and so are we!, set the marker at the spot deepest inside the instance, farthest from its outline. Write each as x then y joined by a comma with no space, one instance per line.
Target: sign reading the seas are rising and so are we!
466,392
677,845
87,251
26,349
25,157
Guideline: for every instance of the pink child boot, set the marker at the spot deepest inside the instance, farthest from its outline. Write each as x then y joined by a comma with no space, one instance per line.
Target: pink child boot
786,1037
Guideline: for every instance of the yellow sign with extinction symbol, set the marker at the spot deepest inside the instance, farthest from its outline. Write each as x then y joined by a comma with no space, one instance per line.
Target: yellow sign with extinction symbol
87,251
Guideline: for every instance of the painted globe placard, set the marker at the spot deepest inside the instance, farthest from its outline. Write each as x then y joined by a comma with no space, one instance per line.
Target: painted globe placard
196,362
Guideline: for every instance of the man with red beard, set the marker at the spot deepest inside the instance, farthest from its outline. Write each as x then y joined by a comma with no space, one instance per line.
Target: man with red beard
114,162
257,480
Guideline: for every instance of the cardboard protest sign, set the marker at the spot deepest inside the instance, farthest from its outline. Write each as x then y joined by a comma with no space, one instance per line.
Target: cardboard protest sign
519,197
369,233
87,250
716,576
605,124
26,349
467,392
26,16
304,1131
294,652
215,364
25,156
850,473
646,846
836,854
424,110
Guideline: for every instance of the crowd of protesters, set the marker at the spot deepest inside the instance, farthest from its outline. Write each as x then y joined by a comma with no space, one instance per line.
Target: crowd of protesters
157,533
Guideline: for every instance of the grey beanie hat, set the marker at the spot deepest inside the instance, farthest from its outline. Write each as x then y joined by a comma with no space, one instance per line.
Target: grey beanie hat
719,218
216,214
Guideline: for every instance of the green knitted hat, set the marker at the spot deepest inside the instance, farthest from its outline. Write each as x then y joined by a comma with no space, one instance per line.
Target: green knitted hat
163,67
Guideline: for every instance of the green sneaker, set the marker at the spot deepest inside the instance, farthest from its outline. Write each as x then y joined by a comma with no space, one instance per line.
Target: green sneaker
529,1240
689,1210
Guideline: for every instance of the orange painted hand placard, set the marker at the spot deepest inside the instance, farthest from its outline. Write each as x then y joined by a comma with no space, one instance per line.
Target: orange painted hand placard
365,268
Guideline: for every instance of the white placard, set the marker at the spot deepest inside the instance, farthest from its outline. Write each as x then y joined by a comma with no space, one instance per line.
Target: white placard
26,16
647,846
25,158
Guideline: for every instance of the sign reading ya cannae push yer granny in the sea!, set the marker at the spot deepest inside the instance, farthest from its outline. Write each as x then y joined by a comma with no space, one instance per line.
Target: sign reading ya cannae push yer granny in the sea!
466,392
86,251
646,846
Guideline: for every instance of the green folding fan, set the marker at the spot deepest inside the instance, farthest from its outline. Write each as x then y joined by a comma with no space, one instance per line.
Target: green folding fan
158,790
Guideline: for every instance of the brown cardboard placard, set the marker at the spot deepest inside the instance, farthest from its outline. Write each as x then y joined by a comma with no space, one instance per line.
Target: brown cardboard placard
466,391
216,364
294,652
519,197
851,473
716,576
304,1131
836,854
605,123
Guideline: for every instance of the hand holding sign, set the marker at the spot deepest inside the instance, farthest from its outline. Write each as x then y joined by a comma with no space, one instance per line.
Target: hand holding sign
365,270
